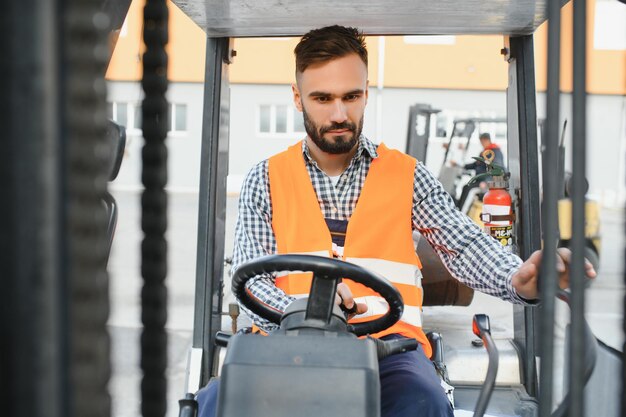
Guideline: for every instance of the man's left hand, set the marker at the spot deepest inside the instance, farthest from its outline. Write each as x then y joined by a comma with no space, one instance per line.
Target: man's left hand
525,279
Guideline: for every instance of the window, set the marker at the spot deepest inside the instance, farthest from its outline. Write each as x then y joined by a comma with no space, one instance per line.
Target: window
298,122
177,118
126,114
279,120
265,119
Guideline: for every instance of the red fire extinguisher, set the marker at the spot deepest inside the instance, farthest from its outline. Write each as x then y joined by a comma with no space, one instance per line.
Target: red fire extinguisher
497,214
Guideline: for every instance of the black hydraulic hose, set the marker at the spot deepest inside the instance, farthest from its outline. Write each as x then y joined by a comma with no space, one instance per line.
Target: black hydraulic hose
154,211
85,56
549,215
490,378
589,362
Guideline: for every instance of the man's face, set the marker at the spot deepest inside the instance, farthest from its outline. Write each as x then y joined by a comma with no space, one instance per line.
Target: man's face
332,97
485,142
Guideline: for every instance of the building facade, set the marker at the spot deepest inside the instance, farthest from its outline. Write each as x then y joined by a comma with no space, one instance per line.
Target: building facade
464,76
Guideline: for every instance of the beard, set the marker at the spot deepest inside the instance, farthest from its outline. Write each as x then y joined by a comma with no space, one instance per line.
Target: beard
338,144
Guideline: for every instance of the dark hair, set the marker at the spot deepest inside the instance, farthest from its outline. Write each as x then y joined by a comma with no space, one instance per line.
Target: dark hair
328,43
485,136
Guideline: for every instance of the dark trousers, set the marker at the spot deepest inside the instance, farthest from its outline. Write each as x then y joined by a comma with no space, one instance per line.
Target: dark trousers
409,387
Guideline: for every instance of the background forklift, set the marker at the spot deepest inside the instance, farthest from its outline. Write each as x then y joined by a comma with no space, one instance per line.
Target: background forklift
53,170
459,147
464,140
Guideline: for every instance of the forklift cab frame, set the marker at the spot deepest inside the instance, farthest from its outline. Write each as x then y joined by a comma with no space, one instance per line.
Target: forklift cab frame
55,301
516,23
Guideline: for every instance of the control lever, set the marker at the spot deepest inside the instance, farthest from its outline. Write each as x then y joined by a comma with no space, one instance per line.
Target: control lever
386,348
222,338
188,406
482,329
233,312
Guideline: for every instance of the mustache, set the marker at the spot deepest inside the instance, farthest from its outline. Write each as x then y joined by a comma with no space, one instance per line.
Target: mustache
337,126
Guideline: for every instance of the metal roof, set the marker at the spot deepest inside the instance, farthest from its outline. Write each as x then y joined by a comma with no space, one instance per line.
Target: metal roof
265,18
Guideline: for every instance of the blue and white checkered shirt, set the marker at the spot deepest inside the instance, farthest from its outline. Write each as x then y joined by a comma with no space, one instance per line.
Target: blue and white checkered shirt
471,256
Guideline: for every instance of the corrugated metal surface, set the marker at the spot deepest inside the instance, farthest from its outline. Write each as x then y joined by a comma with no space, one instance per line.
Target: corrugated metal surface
244,18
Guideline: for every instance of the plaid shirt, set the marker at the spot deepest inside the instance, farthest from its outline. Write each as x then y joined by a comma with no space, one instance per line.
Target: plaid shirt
471,256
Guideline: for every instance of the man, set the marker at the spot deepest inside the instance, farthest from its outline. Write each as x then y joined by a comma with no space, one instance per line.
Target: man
339,194
480,167
485,142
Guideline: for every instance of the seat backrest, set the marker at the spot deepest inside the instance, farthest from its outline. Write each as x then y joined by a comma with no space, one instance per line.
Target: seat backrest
440,287
110,205
116,140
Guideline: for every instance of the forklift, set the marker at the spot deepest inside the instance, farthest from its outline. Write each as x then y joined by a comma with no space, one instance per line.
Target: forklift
459,144
54,300
515,389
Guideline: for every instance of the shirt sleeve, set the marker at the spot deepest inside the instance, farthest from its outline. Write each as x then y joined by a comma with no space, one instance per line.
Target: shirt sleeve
471,256
254,238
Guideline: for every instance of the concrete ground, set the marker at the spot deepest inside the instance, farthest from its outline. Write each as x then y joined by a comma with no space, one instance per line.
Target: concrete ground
605,298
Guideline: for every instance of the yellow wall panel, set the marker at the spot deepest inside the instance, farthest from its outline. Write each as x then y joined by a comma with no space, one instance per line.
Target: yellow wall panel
472,62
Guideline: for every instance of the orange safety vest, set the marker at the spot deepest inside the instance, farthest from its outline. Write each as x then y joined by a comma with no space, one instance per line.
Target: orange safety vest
379,234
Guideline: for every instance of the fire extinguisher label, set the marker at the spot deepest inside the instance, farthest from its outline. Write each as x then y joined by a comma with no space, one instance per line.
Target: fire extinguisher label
494,210
504,234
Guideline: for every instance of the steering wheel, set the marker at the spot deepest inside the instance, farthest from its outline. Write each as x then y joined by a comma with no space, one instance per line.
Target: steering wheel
326,274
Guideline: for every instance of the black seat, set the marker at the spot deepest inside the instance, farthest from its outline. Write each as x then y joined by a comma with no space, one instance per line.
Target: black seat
116,140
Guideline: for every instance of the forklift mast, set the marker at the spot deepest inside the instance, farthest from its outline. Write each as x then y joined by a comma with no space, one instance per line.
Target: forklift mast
418,132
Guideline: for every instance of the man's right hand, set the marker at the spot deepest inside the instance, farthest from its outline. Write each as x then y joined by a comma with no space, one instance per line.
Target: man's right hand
344,296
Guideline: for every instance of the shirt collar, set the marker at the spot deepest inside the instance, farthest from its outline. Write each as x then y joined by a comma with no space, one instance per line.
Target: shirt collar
365,147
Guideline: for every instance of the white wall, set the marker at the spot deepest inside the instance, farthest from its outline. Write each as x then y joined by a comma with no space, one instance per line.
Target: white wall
606,131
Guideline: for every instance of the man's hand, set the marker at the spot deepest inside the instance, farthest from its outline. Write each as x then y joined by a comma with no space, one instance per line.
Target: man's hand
344,296
525,279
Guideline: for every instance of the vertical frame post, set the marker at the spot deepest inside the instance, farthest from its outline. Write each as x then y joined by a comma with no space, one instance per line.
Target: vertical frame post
549,215
524,166
577,266
212,205
34,370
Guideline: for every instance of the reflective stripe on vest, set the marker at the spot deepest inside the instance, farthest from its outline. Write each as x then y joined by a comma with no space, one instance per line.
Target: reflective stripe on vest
379,234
